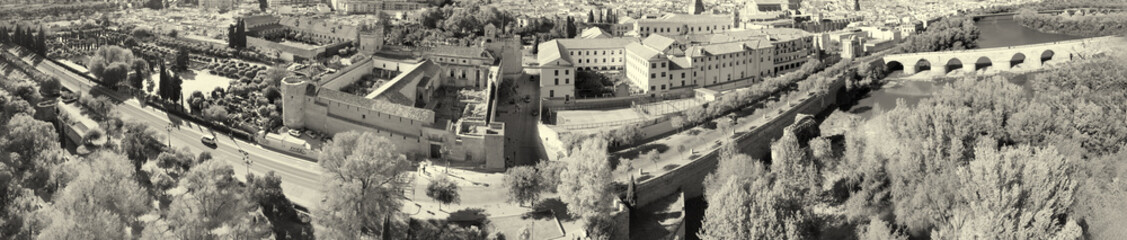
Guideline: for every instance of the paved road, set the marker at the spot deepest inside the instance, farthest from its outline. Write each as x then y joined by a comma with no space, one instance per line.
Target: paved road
301,180
520,126
703,142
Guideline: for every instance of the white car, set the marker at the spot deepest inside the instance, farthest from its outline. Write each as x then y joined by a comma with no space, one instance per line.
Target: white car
295,133
208,140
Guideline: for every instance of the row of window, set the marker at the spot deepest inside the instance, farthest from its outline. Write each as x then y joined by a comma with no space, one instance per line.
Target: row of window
581,53
678,29
588,60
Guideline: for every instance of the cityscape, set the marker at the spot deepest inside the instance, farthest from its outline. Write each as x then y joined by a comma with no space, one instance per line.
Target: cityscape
563,119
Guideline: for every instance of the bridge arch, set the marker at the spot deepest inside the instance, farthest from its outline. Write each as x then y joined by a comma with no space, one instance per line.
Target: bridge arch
983,63
1018,58
954,64
892,66
1047,55
922,65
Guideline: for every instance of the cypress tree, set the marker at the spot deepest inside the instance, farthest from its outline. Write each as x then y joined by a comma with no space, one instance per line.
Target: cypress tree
241,34
590,16
162,92
3,34
42,42
231,36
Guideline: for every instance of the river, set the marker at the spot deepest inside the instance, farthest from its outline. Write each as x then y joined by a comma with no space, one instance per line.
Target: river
1004,31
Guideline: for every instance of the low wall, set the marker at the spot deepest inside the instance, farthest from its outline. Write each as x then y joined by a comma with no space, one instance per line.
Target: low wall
550,146
756,143
282,143
616,102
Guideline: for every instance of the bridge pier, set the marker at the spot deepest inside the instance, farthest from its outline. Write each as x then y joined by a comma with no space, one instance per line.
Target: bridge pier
970,67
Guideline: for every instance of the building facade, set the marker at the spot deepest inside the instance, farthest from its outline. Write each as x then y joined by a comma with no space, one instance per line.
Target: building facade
373,6
681,24
557,72
660,63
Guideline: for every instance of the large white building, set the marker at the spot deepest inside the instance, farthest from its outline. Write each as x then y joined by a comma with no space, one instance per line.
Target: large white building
557,72
680,24
661,63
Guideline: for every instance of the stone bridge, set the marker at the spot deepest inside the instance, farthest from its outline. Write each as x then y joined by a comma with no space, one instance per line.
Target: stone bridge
1010,58
1090,11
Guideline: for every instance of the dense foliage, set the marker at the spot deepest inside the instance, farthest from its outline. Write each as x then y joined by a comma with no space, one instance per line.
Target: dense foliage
362,187
1086,25
953,33
36,41
48,193
983,158
1063,4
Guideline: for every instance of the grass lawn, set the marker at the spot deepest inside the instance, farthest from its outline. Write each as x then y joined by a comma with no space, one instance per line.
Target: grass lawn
544,227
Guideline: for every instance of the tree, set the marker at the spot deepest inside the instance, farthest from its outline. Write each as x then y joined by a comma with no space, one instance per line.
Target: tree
523,185
880,230
163,92
267,192
26,139
139,141
997,207
599,227
140,73
182,60
115,74
536,45
111,64
263,4
175,89
236,35
99,203
196,101
590,16
215,113
361,185
550,174
443,190
585,183
214,206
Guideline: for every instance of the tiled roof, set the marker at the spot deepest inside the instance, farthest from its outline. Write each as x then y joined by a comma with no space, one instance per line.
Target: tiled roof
723,48
642,51
259,20
319,26
659,42
383,106
551,51
460,51
593,32
362,65
776,34
686,18
680,63
620,42
391,91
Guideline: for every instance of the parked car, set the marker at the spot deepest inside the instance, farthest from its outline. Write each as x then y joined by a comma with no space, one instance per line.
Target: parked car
295,133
